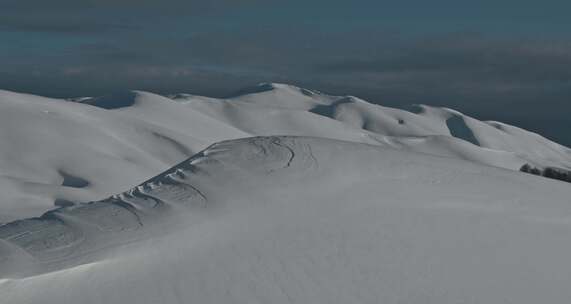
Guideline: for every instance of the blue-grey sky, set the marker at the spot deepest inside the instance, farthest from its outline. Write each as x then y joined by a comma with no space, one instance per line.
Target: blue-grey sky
502,60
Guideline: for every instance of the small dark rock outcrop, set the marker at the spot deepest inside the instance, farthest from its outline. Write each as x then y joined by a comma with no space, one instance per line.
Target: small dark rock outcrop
549,172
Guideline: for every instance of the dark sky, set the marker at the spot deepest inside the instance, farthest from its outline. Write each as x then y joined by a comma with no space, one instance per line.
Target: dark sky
501,60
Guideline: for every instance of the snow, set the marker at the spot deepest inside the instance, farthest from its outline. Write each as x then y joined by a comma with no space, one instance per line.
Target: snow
116,141
286,219
110,150
277,194
113,142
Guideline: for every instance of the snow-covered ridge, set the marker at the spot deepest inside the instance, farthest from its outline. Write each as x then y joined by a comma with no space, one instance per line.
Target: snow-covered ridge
65,233
116,141
298,219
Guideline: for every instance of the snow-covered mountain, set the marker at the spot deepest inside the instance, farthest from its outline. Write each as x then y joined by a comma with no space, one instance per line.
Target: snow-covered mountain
63,151
302,220
336,201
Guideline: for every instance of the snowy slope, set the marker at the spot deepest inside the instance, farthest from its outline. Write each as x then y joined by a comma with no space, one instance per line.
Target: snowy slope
47,144
57,151
302,220
438,131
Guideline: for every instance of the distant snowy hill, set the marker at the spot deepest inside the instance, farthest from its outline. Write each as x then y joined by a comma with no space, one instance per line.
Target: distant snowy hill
300,220
63,151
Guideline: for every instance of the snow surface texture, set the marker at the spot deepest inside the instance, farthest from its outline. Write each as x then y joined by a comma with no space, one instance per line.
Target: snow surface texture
55,152
302,220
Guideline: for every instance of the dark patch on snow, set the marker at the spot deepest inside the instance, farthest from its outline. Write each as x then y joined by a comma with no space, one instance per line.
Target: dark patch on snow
113,101
549,172
61,202
72,181
458,128
329,110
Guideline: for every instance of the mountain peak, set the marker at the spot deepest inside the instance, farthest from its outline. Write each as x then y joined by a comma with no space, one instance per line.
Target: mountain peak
264,87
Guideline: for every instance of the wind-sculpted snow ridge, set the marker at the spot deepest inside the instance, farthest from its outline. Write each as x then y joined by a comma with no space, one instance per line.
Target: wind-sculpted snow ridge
301,220
70,232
